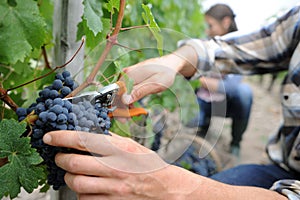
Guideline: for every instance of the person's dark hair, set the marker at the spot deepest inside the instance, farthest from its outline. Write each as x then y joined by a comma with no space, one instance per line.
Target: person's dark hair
219,11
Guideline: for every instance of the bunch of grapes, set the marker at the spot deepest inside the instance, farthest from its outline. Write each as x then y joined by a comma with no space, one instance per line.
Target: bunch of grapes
55,113
190,159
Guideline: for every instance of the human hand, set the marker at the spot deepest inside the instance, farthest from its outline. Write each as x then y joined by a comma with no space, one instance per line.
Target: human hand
150,76
125,169
119,168
157,74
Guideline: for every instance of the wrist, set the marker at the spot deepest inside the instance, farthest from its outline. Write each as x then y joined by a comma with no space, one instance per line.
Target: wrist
179,183
184,60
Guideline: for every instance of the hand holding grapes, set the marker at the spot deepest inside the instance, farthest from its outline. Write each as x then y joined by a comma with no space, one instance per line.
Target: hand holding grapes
120,168
125,168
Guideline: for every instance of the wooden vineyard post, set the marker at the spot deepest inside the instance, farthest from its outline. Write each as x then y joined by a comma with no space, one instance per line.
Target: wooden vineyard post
67,14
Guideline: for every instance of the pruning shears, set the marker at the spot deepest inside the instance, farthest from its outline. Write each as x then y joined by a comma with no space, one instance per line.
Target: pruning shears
108,97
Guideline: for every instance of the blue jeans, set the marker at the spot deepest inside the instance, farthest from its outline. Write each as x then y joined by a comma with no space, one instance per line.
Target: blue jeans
236,106
254,175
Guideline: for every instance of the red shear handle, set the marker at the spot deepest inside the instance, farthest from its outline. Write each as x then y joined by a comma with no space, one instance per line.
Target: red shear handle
128,113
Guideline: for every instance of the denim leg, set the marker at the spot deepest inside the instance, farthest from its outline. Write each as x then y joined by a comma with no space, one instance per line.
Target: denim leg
239,109
205,113
204,117
253,175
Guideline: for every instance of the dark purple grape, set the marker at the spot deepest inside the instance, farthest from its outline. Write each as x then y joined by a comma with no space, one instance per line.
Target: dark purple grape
57,84
51,116
21,112
61,119
58,101
57,109
59,77
53,94
69,82
65,91
66,74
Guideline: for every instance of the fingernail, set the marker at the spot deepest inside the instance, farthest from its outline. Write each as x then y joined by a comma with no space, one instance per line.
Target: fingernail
126,99
47,138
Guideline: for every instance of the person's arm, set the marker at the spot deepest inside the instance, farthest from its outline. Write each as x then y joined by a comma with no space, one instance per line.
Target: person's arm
211,84
267,49
270,47
120,168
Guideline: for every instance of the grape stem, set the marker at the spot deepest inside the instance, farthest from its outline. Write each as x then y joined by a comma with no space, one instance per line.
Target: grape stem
7,100
44,52
111,41
3,161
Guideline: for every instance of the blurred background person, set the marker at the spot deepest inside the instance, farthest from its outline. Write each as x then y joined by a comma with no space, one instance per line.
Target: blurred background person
224,96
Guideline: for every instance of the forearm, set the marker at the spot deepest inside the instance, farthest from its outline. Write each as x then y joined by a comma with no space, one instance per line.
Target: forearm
213,190
184,60
211,84
194,187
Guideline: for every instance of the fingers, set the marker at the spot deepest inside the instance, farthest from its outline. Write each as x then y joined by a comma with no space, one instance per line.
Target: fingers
91,185
82,164
146,88
89,142
99,144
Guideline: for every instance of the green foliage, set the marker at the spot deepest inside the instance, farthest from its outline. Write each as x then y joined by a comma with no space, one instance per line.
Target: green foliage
92,14
22,169
22,29
154,28
46,9
92,39
113,4
186,165
183,16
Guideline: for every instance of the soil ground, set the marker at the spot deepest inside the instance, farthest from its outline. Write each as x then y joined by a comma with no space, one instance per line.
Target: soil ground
264,121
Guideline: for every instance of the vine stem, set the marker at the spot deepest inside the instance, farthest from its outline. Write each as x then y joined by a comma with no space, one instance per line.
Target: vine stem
44,52
7,100
111,41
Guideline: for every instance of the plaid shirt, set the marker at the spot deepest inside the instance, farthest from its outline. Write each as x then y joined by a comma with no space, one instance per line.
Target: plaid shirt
273,48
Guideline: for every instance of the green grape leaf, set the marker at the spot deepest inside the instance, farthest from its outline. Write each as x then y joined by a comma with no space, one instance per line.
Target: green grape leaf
154,28
22,169
46,8
22,29
92,14
113,4
123,129
92,40
128,81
